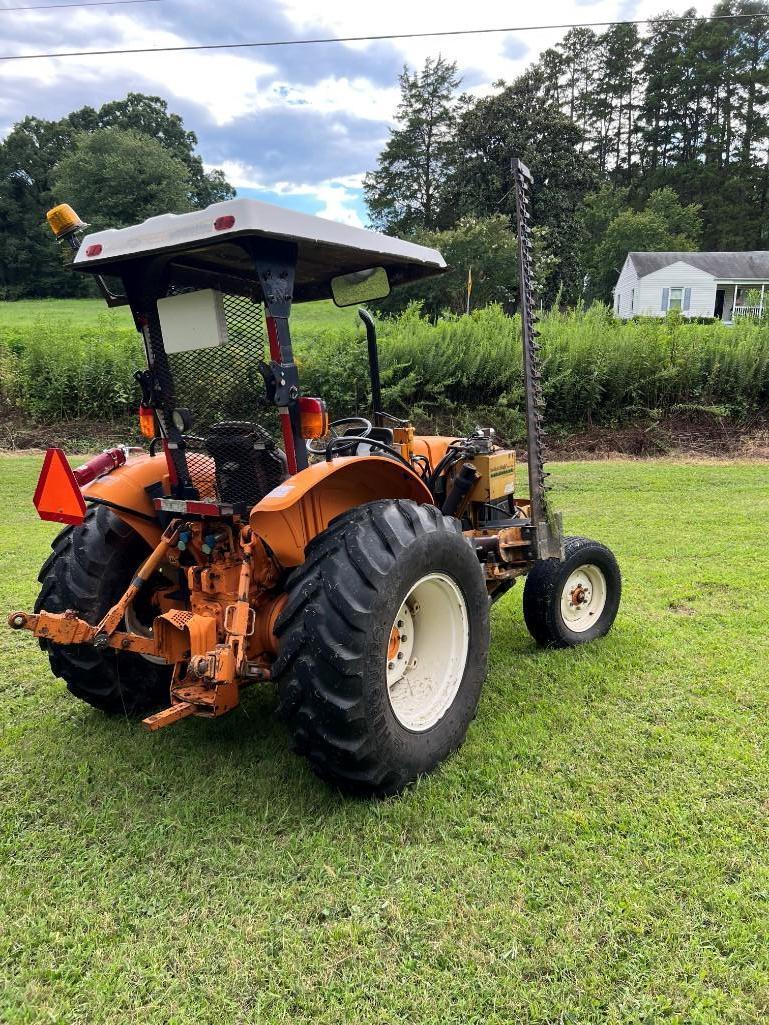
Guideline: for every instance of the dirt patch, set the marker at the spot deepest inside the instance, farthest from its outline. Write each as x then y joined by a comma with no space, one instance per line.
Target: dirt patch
696,435
20,434
682,608
699,434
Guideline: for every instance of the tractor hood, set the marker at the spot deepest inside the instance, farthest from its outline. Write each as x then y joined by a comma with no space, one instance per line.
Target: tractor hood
204,243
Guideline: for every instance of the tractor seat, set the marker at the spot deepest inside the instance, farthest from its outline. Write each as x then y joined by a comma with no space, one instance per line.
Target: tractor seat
384,434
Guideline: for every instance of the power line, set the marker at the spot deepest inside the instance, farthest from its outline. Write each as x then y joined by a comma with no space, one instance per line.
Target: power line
376,38
96,3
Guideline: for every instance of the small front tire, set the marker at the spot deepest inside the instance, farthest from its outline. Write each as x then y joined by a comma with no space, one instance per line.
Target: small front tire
574,601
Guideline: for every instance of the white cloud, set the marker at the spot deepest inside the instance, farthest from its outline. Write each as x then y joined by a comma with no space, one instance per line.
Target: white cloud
226,84
233,85
478,54
337,205
336,197
336,95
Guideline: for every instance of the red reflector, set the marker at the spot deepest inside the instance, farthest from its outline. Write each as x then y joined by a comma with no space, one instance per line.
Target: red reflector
57,495
93,250
228,221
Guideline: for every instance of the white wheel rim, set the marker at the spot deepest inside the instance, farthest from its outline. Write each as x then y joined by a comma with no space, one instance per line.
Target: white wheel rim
427,652
135,626
583,598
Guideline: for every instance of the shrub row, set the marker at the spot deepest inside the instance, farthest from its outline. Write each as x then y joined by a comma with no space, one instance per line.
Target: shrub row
446,375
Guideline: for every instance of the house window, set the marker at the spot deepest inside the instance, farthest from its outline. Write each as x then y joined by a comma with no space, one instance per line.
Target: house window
632,300
676,300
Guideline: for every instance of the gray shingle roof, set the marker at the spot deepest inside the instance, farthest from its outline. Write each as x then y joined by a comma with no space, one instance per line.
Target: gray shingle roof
748,266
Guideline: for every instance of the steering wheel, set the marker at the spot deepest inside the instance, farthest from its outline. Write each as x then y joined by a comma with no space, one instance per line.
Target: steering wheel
356,426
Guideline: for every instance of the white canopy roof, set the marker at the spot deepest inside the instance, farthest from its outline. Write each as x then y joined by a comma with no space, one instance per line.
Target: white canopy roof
326,248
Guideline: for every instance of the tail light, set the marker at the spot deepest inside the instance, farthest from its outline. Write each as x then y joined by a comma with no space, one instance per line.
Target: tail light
314,417
147,421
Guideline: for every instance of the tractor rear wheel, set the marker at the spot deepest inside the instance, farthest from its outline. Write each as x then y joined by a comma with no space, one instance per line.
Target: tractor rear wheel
383,646
574,601
89,569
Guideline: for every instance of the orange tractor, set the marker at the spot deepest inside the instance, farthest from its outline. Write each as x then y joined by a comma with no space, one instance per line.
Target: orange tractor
351,562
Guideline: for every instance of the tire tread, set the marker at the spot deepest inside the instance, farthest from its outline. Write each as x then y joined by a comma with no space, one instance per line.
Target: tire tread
323,629
89,567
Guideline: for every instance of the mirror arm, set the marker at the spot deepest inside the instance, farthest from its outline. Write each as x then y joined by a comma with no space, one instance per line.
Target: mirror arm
373,366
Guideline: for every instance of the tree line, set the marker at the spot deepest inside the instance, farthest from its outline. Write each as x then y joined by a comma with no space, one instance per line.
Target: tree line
653,140
117,165
637,140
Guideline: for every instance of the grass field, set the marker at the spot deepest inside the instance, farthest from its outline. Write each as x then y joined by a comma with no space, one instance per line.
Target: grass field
86,312
596,853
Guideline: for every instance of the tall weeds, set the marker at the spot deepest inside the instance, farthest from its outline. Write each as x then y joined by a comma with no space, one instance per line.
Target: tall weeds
446,375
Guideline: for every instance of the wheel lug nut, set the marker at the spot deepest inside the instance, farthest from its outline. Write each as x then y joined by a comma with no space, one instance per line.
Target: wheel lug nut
391,665
400,654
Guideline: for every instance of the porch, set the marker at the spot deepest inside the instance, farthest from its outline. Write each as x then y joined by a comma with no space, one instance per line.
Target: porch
737,300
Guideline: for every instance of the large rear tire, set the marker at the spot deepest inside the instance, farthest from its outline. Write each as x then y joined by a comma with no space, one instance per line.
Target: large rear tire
383,646
89,569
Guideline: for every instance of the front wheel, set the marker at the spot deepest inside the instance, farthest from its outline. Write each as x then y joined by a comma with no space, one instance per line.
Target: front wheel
383,646
574,601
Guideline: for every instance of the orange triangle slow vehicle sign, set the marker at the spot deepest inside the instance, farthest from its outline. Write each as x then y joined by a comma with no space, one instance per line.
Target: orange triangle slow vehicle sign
57,495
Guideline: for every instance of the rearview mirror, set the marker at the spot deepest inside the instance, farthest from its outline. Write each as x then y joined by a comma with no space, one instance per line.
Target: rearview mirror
360,287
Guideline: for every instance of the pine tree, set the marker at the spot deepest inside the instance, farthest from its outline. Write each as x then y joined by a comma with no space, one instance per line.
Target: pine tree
516,121
579,50
403,193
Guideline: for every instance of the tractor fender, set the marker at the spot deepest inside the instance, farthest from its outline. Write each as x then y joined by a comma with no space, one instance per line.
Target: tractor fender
124,490
291,515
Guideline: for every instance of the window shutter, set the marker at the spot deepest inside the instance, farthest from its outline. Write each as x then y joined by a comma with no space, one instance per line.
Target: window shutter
687,299
665,299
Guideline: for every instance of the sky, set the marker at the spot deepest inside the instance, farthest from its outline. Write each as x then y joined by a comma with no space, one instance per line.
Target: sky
294,125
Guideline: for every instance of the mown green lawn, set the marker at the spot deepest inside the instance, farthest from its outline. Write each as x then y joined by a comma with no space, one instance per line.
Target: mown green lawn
86,312
598,851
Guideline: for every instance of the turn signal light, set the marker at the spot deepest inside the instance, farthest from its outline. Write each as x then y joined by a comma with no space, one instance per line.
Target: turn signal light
314,417
147,421
62,220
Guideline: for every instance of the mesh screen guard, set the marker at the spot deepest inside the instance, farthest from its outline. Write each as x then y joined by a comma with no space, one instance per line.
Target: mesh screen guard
226,451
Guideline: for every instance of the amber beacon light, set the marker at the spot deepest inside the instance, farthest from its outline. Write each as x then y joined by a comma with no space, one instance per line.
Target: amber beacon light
63,220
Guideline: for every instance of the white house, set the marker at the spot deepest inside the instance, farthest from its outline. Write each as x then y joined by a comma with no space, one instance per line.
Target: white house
724,285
